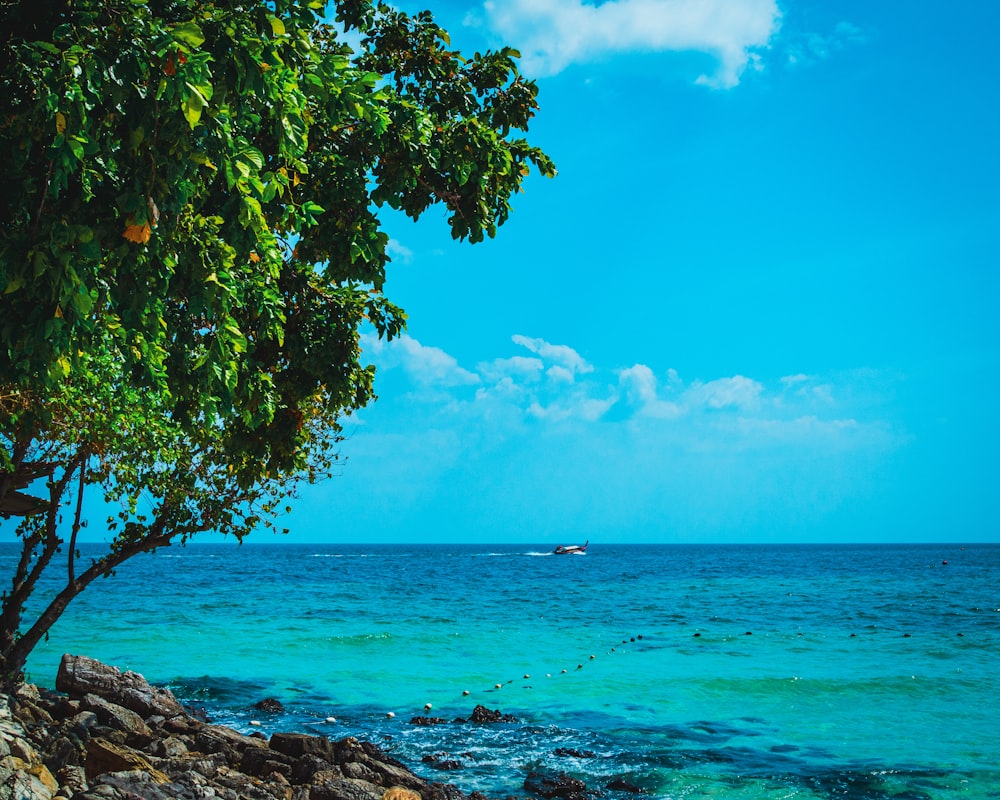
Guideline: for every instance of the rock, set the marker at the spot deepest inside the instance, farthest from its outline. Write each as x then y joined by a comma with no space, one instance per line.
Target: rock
270,705
262,761
63,752
119,718
308,766
104,757
171,747
79,675
73,779
81,725
569,751
22,784
345,789
220,739
139,785
361,772
621,785
300,744
483,714
428,721
561,785
448,764
118,738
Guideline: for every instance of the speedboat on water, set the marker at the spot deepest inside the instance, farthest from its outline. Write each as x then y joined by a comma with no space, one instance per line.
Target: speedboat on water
564,550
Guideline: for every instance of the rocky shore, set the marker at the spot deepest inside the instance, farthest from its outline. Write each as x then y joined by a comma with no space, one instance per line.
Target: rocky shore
108,735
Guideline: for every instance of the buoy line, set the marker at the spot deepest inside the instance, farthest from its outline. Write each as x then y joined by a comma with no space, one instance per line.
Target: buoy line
527,676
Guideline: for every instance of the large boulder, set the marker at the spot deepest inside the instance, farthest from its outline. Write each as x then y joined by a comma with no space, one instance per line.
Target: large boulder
104,756
80,675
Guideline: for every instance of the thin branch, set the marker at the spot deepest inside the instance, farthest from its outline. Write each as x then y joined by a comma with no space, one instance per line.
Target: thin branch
41,205
76,521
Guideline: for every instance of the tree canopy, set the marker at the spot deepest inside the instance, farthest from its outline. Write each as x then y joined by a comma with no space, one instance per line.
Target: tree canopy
191,247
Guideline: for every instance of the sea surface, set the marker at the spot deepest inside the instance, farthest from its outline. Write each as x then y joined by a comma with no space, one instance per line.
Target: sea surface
866,672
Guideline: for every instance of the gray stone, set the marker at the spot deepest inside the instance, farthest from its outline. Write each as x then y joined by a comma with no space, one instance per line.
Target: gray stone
300,744
219,739
119,718
345,789
72,778
171,747
82,724
79,675
361,772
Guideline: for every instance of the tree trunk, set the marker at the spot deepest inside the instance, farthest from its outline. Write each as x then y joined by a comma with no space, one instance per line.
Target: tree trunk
16,650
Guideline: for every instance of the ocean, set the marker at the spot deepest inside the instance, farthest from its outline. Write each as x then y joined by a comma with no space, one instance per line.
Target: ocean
864,672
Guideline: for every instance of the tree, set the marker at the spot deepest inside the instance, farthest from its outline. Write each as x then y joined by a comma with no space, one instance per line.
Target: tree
191,246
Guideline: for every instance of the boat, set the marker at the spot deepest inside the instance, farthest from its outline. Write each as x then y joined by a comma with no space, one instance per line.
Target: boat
565,550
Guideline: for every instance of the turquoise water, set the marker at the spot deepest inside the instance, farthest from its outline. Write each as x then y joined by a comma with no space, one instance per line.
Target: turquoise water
850,671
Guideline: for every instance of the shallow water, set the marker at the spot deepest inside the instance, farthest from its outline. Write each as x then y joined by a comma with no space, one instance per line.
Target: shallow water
851,671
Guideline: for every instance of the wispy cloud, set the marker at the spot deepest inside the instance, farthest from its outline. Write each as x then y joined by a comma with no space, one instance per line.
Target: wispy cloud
554,34
568,362
427,366
512,445
398,251
558,386
809,47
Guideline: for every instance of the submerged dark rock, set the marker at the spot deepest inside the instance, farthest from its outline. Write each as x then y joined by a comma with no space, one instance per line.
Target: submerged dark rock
569,751
622,785
270,705
483,714
561,786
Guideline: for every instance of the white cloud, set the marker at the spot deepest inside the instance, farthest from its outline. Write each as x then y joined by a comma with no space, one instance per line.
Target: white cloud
738,391
516,367
553,34
640,386
559,353
557,388
429,366
398,251
807,48
558,373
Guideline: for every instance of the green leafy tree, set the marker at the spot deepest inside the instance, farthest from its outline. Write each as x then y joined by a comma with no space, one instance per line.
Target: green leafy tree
191,246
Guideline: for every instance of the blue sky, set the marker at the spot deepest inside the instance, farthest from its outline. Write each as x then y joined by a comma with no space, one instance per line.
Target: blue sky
758,303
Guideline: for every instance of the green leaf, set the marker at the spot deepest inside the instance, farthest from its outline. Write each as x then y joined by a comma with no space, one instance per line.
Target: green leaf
193,104
188,33
277,26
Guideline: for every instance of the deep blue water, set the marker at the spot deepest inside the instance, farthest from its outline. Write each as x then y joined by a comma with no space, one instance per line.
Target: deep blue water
852,671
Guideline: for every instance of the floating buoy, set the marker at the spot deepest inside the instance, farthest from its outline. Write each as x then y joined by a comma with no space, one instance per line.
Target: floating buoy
255,723
389,715
465,693
526,676
498,686
593,657
564,671
331,719
944,562
428,706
